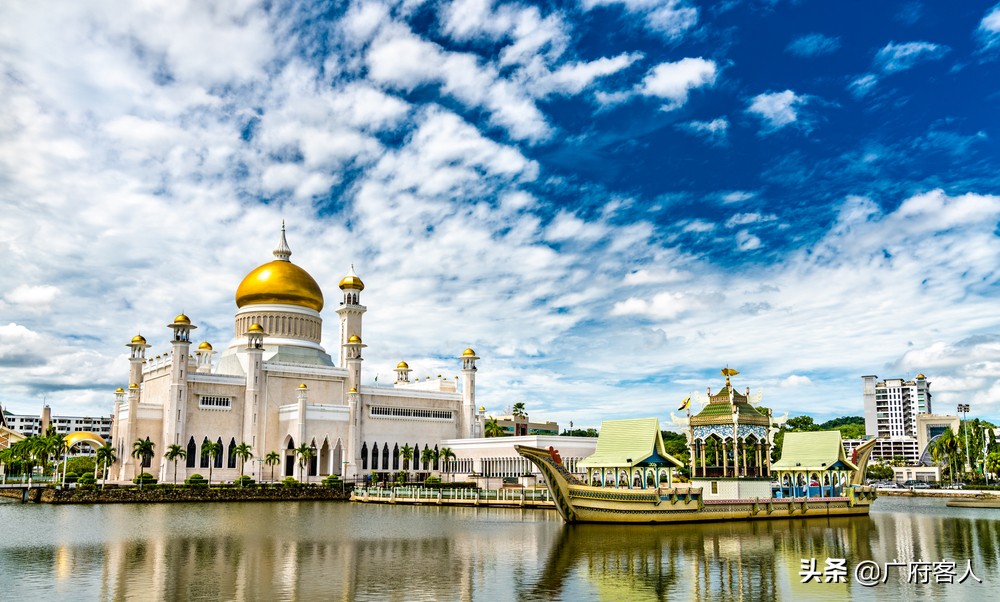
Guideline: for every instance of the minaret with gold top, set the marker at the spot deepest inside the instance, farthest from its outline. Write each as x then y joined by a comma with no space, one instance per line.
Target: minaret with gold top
175,406
351,312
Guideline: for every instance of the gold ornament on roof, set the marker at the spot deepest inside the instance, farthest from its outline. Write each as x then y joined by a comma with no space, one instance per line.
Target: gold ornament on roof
352,281
354,339
468,352
182,319
255,327
205,346
402,366
138,340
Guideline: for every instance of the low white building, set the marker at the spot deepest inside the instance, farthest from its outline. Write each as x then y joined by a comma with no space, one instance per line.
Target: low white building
495,458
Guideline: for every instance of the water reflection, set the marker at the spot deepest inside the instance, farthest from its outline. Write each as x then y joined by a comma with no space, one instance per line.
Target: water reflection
303,551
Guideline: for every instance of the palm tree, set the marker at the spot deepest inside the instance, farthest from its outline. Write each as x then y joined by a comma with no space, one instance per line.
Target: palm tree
946,449
493,428
407,454
142,449
305,453
446,454
243,452
6,458
174,453
106,456
428,456
210,450
519,411
272,459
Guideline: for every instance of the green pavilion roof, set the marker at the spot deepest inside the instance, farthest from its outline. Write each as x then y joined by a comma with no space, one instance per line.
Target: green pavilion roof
626,443
812,450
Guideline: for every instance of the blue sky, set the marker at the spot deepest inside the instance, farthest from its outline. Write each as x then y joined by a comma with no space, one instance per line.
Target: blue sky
609,201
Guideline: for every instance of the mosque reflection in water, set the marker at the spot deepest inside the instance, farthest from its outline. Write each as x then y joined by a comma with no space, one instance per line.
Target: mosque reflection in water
289,551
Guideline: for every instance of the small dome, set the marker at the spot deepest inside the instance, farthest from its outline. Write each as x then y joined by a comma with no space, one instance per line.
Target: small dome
354,339
303,386
468,352
133,386
351,280
921,377
482,408
353,390
255,327
119,390
402,366
138,340
182,319
205,346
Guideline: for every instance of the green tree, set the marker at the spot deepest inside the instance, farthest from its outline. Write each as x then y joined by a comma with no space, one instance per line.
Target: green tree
142,450
591,432
244,452
106,457
428,456
272,459
211,450
493,428
519,410
446,454
993,463
801,423
305,453
173,454
946,449
407,454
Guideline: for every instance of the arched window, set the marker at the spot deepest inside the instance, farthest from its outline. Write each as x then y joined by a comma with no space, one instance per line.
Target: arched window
192,453
364,457
218,458
436,458
375,456
395,457
385,456
147,459
204,458
232,453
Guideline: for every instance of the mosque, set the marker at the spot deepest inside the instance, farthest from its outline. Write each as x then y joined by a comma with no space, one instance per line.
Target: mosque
276,389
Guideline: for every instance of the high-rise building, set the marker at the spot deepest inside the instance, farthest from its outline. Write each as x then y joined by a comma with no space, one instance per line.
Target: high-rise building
892,405
30,425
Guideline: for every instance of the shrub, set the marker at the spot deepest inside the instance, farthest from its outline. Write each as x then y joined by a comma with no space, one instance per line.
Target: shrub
432,481
85,479
244,481
145,479
332,480
71,477
196,480
290,482
86,486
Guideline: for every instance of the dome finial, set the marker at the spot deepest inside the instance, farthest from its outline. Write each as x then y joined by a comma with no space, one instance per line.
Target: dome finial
283,252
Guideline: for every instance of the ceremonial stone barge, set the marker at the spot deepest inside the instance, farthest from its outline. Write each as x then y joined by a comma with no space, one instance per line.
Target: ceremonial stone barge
629,477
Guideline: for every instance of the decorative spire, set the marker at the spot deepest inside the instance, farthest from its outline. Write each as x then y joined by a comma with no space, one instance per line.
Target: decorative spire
283,252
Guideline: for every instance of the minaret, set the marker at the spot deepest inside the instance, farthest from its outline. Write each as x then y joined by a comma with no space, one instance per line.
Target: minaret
350,311
354,433
253,410
468,358
116,422
403,373
352,352
125,445
137,357
302,398
205,353
175,407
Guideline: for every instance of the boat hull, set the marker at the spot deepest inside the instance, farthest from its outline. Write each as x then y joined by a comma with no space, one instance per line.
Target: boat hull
580,503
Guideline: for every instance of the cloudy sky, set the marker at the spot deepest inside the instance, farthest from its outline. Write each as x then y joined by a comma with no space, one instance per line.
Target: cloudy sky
610,200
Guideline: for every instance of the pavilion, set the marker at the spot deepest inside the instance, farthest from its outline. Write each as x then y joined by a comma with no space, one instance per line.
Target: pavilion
813,464
630,455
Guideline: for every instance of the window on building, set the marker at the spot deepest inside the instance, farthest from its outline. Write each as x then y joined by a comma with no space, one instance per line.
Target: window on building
232,453
364,457
204,458
218,457
192,453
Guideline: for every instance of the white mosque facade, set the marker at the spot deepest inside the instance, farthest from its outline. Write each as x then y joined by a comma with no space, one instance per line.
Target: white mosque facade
276,388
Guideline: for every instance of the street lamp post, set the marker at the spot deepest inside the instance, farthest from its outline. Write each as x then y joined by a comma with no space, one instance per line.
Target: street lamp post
343,478
963,409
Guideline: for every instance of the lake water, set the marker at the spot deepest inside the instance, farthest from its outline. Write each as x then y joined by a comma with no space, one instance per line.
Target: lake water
324,550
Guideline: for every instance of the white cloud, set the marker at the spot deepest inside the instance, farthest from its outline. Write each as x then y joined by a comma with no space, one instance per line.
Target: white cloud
746,241
813,44
989,27
573,78
36,298
663,306
737,196
796,380
672,18
777,109
862,85
900,57
742,219
673,81
715,130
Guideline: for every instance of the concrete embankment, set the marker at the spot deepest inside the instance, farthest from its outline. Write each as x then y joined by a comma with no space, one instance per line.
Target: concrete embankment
133,495
962,493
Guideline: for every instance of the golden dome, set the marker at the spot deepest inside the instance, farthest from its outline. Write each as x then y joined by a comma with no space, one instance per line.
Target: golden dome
281,282
255,327
119,390
138,340
482,408
351,280
354,339
182,319
921,377
468,352
303,386
402,366
133,386
205,346
353,390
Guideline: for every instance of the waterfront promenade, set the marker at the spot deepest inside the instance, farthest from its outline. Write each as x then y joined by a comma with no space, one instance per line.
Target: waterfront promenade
503,498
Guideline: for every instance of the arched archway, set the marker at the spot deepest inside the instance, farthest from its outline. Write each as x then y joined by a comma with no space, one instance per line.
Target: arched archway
290,458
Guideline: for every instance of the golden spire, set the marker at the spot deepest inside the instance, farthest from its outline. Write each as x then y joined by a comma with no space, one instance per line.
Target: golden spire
283,252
